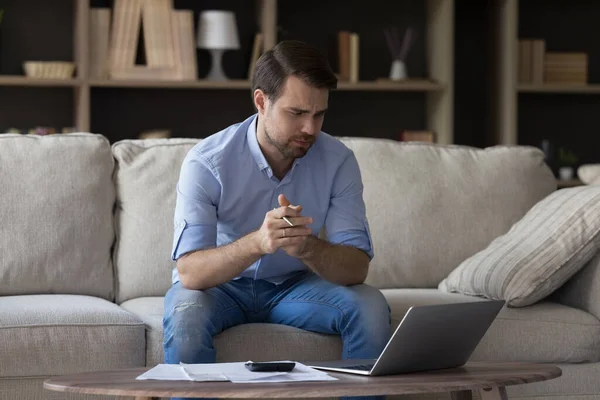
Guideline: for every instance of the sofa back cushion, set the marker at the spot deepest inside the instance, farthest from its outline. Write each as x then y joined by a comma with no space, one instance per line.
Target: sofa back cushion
430,207
56,206
146,177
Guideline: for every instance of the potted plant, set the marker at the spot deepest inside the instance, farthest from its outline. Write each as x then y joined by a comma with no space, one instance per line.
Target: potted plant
566,162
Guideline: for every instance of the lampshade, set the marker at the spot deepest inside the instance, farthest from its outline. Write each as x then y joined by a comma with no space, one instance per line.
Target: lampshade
217,30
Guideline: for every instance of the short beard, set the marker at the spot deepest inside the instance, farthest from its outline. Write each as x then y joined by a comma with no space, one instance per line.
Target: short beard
286,152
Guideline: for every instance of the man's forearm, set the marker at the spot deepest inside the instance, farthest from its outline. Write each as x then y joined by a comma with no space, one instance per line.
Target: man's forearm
204,269
344,265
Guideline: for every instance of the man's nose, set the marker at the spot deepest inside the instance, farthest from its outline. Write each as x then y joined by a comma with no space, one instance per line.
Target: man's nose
310,126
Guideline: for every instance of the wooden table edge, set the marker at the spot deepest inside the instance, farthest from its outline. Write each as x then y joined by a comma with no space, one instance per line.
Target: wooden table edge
265,390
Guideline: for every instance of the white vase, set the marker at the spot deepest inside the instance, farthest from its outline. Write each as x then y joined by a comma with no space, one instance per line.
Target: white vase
566,173
398,70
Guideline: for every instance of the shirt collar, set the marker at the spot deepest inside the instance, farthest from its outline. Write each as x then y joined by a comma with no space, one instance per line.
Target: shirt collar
257,153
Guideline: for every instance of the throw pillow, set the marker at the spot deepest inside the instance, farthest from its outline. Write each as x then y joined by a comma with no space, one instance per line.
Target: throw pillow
539,253
589,174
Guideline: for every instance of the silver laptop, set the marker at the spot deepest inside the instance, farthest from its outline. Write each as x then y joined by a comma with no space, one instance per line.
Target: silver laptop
428,338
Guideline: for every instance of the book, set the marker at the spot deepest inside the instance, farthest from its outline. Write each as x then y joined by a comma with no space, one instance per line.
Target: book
354,57
257,50
566,67
183,42
344,55
417,136
99,38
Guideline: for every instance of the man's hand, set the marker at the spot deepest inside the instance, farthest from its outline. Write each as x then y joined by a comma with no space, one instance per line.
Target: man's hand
299,247
275,233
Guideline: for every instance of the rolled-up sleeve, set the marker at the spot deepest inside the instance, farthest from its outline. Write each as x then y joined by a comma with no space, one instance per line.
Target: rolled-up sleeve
195,218
346,222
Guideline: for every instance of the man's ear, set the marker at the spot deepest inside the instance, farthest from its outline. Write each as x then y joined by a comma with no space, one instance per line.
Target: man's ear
260,101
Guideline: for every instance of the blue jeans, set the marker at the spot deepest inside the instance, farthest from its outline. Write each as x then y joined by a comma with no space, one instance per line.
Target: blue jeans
360,314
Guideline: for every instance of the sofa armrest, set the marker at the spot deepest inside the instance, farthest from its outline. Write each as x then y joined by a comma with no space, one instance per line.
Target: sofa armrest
583,289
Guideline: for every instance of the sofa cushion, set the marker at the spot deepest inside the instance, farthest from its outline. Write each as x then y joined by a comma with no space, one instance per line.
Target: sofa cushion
553,241
56,207
258,342
543,332
42,335
431,206
146,177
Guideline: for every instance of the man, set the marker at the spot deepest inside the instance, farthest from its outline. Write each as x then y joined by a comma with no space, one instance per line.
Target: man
238,260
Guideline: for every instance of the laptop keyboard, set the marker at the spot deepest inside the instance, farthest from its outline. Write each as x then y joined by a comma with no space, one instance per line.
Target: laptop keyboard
360,367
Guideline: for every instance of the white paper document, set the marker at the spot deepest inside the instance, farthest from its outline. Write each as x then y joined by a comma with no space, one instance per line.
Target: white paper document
235,372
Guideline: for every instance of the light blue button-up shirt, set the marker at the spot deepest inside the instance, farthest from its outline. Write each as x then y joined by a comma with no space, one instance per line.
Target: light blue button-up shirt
226,187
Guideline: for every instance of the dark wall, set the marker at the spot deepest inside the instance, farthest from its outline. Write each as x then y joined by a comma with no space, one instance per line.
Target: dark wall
471,73
35,30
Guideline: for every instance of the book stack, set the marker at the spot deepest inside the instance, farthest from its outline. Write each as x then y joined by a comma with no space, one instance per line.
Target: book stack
168,41
531,60
348,56
537,66
566,68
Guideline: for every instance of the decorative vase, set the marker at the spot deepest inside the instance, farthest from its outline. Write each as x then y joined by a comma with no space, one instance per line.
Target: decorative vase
566,173
398,70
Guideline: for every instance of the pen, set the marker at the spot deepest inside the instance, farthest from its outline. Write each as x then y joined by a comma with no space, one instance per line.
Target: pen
286,220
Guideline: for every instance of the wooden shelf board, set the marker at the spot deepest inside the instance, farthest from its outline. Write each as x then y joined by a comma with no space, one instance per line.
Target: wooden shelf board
169,84
19,80
559,88
410,85
414,85
569,183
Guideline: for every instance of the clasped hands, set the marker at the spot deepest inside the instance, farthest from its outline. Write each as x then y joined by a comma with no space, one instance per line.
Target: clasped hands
275,233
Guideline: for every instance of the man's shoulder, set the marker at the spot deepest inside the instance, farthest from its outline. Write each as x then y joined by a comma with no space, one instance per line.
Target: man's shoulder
332,146
216,146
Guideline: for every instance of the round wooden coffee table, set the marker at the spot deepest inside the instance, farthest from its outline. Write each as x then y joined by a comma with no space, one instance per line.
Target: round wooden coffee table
490,379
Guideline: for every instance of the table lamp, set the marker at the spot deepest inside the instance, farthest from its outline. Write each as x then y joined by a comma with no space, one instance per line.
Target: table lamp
217,32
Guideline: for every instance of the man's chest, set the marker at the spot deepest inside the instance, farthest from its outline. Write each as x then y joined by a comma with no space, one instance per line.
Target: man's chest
245,202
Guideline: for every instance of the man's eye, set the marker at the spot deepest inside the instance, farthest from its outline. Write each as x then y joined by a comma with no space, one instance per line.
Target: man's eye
297,113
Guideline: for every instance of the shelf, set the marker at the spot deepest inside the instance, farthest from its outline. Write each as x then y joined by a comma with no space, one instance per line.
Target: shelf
168,84
18,80
559,88
410,85
569,183
414,85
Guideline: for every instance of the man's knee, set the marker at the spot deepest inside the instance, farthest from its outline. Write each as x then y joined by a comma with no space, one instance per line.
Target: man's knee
189,319
370,304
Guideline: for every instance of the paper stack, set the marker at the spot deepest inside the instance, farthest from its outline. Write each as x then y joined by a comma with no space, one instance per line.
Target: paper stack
234,372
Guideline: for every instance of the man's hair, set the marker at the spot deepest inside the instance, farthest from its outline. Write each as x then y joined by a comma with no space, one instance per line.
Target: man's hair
291,57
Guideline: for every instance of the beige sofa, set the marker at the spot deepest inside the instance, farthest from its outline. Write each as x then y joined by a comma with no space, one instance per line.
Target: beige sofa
86,233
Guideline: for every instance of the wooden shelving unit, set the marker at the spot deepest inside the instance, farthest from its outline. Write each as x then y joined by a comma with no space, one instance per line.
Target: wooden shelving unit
437,88
507,88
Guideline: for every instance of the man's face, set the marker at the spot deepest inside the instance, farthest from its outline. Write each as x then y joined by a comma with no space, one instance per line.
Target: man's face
293,122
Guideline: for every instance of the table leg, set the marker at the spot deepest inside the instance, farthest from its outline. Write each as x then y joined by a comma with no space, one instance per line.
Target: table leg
462,395
497,393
